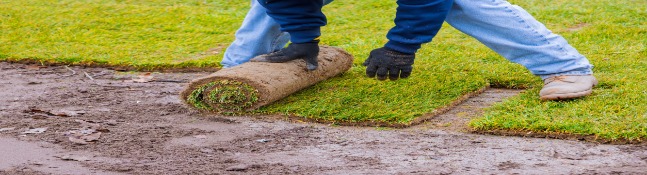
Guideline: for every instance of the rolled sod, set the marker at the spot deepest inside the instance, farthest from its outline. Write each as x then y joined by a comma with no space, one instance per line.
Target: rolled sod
252,85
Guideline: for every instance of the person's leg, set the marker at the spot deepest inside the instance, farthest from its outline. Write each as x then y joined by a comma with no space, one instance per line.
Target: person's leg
514,34
259,34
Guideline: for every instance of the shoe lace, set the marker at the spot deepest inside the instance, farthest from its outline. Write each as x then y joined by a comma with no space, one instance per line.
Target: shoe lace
555,78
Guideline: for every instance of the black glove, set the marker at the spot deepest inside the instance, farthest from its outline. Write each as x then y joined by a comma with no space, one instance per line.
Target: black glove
306,51
383,60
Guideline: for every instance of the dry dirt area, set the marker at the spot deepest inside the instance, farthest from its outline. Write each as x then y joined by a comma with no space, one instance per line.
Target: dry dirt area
72,120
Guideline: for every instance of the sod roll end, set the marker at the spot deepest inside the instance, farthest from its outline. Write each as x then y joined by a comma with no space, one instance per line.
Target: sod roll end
254,84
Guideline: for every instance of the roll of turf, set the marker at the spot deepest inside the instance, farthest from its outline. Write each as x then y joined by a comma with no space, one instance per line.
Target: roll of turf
254,84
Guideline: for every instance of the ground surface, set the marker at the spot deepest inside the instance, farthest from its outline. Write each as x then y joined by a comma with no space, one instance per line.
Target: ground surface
146,130
194,34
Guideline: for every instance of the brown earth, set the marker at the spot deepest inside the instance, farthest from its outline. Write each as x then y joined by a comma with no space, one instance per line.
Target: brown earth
99,121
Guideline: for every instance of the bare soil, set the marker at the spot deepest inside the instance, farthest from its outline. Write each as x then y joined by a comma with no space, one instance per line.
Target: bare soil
145,129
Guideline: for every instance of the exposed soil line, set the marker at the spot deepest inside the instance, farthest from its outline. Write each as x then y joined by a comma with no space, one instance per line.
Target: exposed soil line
456,118
165,69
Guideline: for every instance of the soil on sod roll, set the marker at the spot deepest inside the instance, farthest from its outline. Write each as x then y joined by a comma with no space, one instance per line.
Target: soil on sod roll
254,84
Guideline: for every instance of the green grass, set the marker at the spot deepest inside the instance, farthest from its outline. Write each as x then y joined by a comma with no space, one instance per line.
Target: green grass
145,34
615,41
223,96
178,34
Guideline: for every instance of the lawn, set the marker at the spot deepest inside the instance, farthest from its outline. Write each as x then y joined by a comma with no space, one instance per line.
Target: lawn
160,34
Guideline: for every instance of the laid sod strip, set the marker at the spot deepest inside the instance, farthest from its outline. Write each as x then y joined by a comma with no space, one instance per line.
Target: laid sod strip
353,99
614,38
601,117
254,84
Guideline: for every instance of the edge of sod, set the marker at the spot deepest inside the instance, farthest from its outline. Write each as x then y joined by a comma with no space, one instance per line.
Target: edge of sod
419,120
181,67
558,135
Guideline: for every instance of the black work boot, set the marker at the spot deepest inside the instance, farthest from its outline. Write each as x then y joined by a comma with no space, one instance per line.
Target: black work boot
306,51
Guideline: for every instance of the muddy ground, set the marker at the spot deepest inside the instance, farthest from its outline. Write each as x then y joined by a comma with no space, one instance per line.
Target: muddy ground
72,120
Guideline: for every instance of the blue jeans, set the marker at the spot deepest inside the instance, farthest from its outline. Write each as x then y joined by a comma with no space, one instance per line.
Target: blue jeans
505,28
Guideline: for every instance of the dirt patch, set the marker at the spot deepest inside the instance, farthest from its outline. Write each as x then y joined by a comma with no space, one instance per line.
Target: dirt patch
147,130
578,27
456,118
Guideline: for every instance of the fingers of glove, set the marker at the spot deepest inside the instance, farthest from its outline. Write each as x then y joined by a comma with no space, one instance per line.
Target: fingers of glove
381,73
394,73
406,71
371,70
368,61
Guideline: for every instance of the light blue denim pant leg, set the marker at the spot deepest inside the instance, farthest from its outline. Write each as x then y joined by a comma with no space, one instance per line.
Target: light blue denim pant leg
507,29
514,34
259,34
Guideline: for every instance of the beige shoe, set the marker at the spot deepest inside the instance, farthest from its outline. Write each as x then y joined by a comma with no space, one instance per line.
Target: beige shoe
567,87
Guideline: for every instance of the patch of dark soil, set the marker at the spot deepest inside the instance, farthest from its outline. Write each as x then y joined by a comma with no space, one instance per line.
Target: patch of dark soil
220,119
508,165
578,27
147,130
456,118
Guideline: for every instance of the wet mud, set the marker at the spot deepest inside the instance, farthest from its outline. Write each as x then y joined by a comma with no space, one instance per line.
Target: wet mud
146,129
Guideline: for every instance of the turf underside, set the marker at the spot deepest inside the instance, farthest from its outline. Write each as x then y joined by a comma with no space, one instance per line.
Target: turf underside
194,33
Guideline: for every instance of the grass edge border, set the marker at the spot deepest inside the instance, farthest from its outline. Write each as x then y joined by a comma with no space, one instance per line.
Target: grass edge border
165,69
561,136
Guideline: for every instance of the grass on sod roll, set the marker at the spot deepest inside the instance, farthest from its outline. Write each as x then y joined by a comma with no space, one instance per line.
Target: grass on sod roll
194,33
223,96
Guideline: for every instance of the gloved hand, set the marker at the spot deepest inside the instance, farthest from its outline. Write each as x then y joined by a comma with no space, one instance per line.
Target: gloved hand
382,61
307,51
